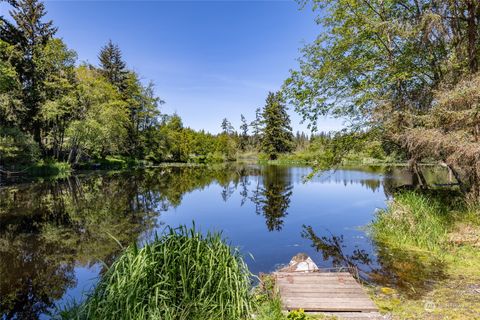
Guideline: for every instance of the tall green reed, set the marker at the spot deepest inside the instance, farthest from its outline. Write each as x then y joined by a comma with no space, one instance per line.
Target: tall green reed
180,275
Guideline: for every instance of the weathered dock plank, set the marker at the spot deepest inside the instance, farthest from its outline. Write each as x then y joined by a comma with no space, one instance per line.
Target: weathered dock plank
322,292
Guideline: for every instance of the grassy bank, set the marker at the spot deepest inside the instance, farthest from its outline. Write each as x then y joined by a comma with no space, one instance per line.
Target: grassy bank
49,168
434,246
316,158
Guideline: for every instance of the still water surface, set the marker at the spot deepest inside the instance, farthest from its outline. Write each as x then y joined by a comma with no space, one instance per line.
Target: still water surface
56,237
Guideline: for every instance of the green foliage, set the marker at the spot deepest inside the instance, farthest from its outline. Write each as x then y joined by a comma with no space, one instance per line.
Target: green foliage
243,139
84,114
226,126
277,134
422,222
324,151
74,114
297,315
16,147
31,36
181,275
270,309
256,128
379,52
8,74
407,68
45,168
427,246
102,128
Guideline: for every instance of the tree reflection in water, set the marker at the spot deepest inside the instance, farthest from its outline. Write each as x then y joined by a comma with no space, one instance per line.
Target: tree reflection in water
33,275
409,272
46,229
49,228
272,196
332,248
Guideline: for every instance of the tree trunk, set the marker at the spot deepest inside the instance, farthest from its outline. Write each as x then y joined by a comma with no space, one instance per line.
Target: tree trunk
456,174
37,135
472,35
417,175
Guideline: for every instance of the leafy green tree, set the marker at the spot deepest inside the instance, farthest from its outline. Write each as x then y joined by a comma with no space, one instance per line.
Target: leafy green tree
85,113
102,127
172,131
16,148
147,120
277,136
226,146
143,113
174,122
386,65
58,64
112,65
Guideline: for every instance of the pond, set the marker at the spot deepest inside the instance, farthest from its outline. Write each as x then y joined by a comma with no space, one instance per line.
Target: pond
57,237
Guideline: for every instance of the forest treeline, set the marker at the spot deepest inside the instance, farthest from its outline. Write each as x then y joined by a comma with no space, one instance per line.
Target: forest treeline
406,71
53,108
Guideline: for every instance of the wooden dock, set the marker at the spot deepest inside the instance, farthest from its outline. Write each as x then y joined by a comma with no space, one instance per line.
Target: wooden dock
302,285
322,291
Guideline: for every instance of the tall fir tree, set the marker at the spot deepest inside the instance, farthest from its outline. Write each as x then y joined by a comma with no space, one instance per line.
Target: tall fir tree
256,127
30,35
227,127
113,68
277,134
243,133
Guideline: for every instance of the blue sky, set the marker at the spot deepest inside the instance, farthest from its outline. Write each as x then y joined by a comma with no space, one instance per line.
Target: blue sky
208,59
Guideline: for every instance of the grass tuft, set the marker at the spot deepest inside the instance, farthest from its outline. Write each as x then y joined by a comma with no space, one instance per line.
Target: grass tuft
414,222
181,275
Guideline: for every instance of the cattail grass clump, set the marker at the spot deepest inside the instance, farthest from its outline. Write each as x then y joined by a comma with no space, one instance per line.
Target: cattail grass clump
181,275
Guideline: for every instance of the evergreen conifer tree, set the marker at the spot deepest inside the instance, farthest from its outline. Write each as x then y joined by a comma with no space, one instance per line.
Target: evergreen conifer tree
29,34
243,133
277,133
227,127
256,127
112,65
